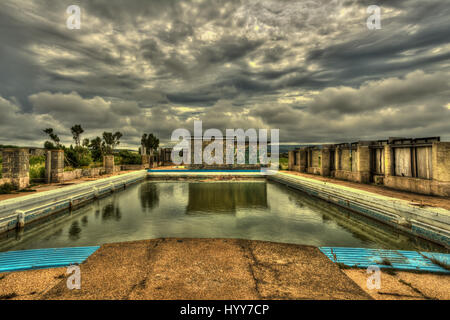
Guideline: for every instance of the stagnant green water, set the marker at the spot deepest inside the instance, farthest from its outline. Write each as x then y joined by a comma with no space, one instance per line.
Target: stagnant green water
256,210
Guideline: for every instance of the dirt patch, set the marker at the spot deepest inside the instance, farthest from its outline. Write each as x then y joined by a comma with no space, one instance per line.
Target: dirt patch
402,285
29,285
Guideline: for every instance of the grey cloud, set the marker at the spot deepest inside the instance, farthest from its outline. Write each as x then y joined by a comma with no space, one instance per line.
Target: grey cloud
302,66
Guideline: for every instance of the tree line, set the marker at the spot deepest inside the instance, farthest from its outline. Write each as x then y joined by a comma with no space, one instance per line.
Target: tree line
87,151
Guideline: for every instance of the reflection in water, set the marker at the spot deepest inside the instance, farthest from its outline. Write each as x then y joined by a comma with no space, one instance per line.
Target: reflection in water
74,231
247,210
223,197
111,212
149,195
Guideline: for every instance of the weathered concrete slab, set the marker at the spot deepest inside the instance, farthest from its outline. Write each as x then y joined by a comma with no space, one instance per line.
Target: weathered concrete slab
209,269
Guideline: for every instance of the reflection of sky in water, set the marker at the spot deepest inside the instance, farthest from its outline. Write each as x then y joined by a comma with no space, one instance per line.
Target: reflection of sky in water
248,210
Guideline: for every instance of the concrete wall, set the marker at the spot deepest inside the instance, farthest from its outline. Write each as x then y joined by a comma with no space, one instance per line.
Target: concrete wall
125,167
81,173
54,166
294,160
439,184
39,205
108,164
416,166
16,167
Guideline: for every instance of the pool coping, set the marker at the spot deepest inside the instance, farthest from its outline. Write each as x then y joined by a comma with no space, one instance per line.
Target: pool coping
431,262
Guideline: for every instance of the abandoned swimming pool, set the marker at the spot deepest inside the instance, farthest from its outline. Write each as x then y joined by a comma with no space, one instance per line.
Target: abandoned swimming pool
254,210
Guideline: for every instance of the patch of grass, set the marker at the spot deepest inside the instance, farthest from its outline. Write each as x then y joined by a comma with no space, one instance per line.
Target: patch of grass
27,190
343,266
284,163
7,188
37,171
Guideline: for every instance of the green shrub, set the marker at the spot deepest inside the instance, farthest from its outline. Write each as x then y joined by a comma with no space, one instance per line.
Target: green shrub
37,171
7,188
284,163
127,157
77,157
34,160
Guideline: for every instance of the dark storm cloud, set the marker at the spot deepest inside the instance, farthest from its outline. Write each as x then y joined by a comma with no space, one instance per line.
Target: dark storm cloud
310,68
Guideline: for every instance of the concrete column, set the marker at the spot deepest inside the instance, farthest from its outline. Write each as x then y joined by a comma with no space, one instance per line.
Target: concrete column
291,160
54,166
48,166
388,161
440,155
337,158
16,167
108,164
303,160
151,161
363,163
145,161
325,162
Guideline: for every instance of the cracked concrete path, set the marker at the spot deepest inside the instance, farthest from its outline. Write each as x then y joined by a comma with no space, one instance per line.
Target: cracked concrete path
209,269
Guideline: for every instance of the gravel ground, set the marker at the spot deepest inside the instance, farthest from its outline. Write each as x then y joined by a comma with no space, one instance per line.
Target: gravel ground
229,269
402,285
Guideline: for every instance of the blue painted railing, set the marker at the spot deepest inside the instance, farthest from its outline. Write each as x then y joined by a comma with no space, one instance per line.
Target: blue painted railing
394,259
43,258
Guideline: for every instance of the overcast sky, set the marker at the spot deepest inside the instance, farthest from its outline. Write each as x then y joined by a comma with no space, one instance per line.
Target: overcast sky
310,68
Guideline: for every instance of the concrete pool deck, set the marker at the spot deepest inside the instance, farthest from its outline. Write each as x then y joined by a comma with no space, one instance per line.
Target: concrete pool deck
217,269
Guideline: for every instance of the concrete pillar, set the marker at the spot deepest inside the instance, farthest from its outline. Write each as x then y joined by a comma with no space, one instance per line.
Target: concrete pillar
48,166
388,161
363,163
145,161
325,162
303,160
54,166
440,157
337,159
16,167
108,164
291,160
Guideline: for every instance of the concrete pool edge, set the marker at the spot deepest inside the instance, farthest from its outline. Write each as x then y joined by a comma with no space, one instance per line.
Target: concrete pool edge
31,259
432,224
17,212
